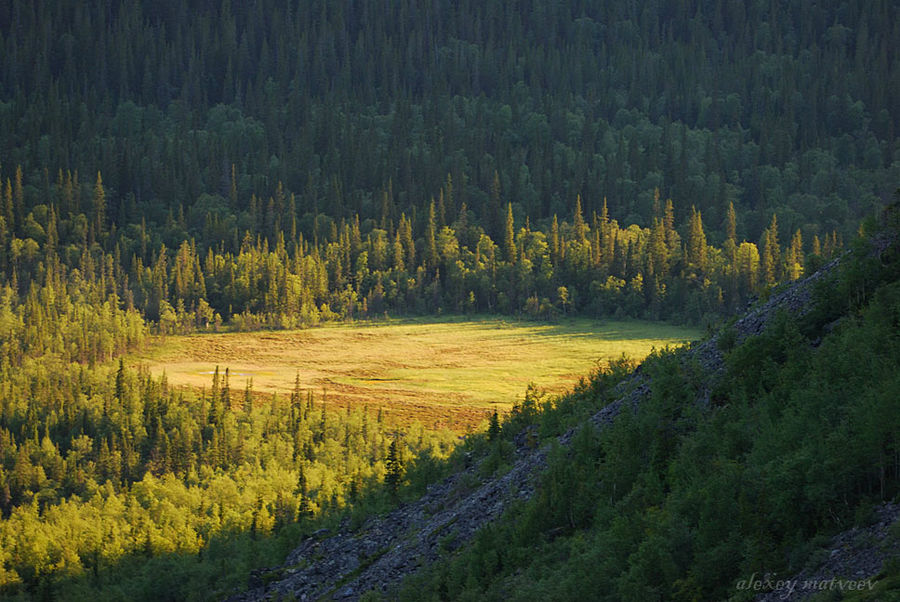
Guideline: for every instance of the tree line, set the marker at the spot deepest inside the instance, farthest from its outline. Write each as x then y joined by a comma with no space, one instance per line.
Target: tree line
274,275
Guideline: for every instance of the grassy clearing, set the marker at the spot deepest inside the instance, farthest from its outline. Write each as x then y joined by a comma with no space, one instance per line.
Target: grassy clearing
442,372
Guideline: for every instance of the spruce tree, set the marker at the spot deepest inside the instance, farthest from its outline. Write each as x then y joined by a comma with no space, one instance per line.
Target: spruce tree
554,241
578,224
494,428
509,236
696,242
431,254
795,259
394,468
98,207
771,254
731,224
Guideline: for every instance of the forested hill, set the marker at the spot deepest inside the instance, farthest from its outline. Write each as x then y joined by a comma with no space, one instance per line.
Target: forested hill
170,167
281,163
375,107
712,466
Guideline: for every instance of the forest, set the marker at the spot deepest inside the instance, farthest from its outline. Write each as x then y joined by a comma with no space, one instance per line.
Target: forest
680,500
168,168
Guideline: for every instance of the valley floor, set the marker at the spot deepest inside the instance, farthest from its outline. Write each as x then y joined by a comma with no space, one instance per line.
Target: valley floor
445,373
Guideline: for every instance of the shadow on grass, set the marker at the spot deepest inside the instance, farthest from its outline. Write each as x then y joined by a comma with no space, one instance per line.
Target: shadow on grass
614,330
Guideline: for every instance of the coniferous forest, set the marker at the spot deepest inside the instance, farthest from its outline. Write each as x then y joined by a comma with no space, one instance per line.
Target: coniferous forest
169,168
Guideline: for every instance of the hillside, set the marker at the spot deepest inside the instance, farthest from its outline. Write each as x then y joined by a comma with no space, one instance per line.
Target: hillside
684,403
777,107
186,185
283,164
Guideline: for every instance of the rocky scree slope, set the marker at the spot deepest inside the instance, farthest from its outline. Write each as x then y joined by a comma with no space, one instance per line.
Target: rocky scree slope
855,555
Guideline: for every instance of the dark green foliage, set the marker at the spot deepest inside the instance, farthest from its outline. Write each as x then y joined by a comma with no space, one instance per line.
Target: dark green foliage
234,186
679,501
494,427
271,165
566,497
394,468
850,289
189,113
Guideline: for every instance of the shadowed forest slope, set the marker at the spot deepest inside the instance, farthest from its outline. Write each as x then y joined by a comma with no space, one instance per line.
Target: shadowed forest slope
735,457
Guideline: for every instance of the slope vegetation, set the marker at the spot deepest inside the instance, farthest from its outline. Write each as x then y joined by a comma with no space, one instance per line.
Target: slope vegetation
728,459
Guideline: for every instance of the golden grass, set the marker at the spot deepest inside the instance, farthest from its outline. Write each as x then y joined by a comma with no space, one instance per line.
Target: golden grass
442,372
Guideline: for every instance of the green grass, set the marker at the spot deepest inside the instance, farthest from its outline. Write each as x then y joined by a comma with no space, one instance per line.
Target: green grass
443,372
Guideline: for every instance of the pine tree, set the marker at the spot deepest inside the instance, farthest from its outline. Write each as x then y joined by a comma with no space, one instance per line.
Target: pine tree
120,381
9,207
658,253
248,397
19,197
232,191
441,213
397,253
462,220
449,201
68,194
607,236
296,397
215,395
257,515
747,266
226,390
406,239
387,205
303,510
672,238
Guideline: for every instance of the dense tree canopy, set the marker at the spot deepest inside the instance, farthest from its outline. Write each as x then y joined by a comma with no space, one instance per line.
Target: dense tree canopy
171,167
374,108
